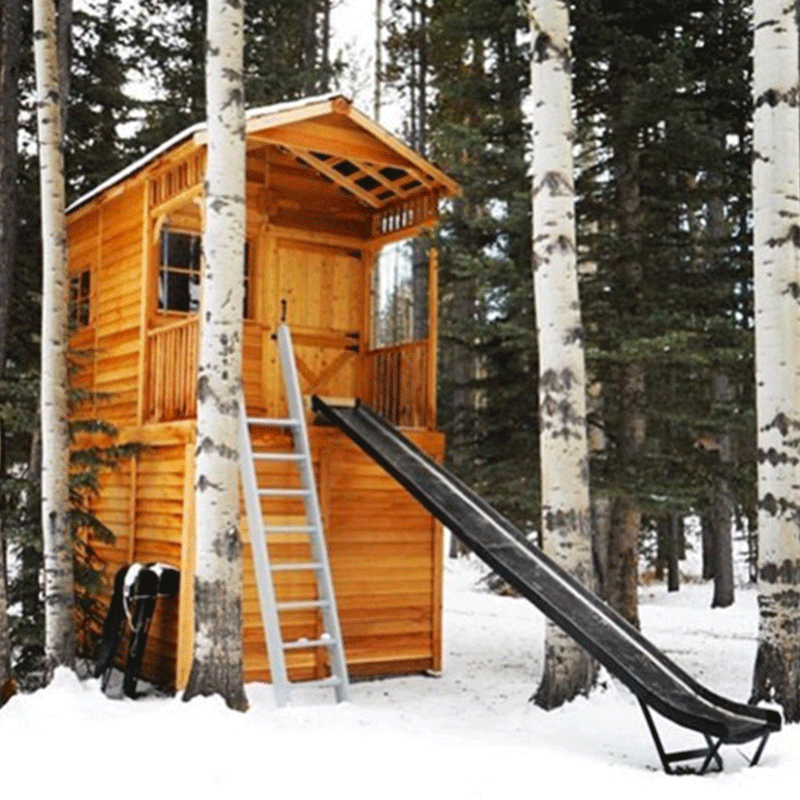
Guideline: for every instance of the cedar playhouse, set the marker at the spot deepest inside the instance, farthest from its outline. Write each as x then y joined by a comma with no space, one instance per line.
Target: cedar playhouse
333,202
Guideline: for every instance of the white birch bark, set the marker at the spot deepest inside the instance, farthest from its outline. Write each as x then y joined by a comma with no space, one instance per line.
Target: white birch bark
58,565
568,669
217,656
776,219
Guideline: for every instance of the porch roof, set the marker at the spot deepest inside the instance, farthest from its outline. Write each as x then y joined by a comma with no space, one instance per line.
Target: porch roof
373,168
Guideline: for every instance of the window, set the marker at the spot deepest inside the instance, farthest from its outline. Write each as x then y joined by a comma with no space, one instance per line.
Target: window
400,294
179,273
80,288
247,310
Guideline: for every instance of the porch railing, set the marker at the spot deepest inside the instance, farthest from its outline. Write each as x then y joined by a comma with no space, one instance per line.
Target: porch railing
172,371
398,385
397,381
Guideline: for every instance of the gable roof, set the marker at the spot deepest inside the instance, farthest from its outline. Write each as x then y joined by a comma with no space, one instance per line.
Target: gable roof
329,135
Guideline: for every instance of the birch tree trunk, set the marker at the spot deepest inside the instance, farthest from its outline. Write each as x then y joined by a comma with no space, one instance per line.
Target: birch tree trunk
57,547
776,219
568,670
217,658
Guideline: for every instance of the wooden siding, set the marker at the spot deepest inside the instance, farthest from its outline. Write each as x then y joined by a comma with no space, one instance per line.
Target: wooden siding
385,552
312,238
116,315
159,526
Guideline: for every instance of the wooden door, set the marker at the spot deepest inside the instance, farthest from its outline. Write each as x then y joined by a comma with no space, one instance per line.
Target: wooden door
320,296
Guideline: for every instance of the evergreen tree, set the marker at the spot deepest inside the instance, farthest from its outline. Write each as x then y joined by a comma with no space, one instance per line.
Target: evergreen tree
478,76
94,146
100,104
287,56
665,292
10,35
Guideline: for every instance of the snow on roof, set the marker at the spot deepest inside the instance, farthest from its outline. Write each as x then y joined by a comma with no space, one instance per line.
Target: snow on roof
189,132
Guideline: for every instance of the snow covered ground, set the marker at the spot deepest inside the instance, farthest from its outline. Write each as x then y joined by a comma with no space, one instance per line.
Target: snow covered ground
470,733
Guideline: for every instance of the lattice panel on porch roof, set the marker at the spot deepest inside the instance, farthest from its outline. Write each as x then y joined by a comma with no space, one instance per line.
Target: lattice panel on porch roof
376,185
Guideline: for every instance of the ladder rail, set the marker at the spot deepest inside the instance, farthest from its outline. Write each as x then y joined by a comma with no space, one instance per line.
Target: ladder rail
319,565
319,549
261,565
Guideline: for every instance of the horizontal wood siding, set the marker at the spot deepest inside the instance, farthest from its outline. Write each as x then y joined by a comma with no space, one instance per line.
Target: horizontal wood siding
113,507
117,318
159,520
84,239
385,549
385,552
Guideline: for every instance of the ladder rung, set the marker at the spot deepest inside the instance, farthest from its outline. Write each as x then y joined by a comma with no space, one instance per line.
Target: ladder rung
296,566
301,605
283,492
322,683
278,456
273,422
301,644
289,529
315,603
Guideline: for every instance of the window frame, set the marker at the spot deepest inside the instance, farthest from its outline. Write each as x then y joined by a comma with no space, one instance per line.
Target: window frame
163,269
80,299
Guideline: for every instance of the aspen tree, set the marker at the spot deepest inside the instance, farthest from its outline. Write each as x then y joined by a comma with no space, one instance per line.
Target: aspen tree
217,657
57,546
776,251
568,670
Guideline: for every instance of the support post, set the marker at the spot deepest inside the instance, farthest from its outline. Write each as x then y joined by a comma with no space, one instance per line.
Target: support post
433,335
709,754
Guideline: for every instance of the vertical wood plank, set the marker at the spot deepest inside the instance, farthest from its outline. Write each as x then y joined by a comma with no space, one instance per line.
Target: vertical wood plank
132,509
185,641
144,376
433,335
364,315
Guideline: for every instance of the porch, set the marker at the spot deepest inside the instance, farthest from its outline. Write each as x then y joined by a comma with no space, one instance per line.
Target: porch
397,381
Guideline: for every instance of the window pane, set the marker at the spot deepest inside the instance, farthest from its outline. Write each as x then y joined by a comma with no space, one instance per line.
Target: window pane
180,250
79,298
179,276
400,294
174,292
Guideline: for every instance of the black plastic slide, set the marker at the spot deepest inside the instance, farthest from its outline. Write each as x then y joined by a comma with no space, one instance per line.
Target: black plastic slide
656,681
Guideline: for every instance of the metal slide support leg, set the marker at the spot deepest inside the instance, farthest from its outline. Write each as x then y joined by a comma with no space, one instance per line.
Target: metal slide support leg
709,754
759,750
713,755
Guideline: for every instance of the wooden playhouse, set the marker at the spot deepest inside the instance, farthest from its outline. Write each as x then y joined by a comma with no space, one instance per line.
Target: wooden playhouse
330,194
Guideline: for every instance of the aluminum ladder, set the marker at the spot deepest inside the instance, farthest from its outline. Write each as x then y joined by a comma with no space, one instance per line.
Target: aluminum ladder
324,601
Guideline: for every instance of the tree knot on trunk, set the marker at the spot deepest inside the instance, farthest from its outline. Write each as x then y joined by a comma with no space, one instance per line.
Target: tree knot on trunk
203,484
541,47
569,521
774,98
774,458
228,545
786,573
778,506
783,423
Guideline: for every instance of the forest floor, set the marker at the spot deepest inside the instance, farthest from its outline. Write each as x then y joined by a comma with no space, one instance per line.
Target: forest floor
470,733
